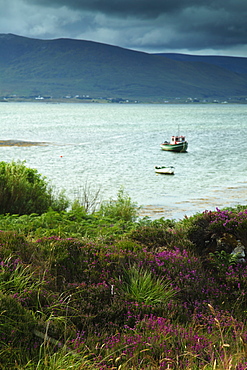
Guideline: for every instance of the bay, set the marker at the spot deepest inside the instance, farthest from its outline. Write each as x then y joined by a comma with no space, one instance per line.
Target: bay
109,146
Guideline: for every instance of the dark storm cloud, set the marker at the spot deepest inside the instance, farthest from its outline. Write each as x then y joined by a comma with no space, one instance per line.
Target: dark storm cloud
208,23
148,25
138,8
145,8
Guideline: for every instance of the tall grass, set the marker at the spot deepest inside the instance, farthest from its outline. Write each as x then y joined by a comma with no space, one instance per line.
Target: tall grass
120,209
140,285
15,278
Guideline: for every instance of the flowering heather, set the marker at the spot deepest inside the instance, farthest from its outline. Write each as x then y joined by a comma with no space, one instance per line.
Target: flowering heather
129,303
164,344
229,221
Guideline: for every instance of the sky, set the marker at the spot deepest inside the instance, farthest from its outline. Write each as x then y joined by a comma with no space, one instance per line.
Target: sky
201,27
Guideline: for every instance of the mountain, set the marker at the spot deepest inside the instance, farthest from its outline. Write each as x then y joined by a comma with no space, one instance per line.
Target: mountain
234,64
60,67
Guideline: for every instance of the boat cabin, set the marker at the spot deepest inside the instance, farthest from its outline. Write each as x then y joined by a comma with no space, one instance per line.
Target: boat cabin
177,139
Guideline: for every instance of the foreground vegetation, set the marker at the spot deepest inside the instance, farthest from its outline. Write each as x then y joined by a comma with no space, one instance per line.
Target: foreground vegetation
87,288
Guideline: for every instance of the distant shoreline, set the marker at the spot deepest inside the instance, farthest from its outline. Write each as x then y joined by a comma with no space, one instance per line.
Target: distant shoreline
88,100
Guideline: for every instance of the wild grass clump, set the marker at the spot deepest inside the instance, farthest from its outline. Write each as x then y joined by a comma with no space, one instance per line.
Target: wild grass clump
141,286
24,191
104,290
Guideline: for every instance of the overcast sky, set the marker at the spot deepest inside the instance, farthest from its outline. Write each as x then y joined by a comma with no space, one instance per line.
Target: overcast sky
217,27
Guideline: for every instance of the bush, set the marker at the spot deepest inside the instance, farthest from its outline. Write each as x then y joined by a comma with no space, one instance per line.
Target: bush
24,191
152,237
160,234
121,209
17,327
203,230
14,244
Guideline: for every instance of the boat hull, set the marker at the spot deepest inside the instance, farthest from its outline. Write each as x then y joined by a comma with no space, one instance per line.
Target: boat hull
164,170
179,147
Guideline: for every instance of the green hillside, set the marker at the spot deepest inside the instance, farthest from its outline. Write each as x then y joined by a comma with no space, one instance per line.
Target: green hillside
234,64
31,67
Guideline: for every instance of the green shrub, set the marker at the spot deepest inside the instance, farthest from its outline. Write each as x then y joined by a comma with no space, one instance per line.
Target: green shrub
222,260
24,191
17,327
159,235
14,244
152,237
204,229
121,209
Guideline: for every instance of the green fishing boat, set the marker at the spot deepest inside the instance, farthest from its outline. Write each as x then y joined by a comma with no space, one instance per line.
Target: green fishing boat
177,144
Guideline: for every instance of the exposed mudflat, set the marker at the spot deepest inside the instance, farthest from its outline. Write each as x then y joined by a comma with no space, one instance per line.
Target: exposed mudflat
20,143
227,197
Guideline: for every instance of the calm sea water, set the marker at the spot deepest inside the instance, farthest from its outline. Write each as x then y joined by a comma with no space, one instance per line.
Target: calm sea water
109,146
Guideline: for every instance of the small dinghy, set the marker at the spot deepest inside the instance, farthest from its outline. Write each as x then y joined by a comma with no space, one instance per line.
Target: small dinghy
163,170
